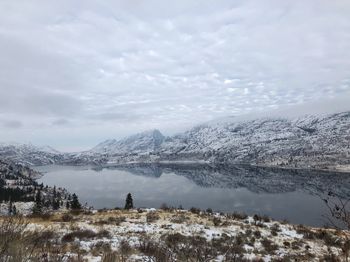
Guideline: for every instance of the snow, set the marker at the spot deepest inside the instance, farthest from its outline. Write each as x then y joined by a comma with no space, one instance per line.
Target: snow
291,233
135,227
24,208
319,142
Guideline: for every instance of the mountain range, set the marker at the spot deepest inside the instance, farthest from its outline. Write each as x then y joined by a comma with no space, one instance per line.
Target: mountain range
312,141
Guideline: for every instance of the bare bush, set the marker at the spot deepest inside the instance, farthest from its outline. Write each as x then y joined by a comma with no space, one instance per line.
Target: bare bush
339,218
17,243
111,257
84,234
179,219
152,217
124,250
155,251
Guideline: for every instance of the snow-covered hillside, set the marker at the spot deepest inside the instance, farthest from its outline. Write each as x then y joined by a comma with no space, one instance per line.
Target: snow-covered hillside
310,141
147,141
19,189
321,142
28,154
306,142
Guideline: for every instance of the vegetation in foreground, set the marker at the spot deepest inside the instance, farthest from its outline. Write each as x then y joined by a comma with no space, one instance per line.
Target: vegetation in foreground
164,235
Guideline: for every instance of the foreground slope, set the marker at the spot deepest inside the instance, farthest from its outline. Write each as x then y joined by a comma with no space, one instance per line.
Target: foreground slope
168,235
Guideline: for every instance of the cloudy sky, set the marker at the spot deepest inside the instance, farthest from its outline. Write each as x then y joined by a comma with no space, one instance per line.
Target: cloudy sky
73,73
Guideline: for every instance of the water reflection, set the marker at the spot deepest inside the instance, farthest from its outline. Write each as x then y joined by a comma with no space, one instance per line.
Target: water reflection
283,194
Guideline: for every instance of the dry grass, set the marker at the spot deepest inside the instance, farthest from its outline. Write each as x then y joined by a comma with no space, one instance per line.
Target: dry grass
59,235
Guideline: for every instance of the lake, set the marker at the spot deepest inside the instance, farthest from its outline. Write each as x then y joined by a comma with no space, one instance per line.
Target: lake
294,195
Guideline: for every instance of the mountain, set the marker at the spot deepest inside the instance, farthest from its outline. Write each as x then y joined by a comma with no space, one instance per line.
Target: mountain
309,141
147,141
27,154
319,142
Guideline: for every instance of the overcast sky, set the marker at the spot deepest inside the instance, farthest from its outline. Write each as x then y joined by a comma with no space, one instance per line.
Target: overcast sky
73,73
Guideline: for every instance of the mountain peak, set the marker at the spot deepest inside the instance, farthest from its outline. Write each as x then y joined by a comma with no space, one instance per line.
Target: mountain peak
151,132
146,141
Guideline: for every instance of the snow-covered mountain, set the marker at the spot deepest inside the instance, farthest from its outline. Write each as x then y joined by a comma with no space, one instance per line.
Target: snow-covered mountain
148,141
309,141
27,154
305,142
319,142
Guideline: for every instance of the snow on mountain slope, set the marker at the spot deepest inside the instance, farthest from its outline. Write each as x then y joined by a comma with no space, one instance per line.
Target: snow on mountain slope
147,141
319,142
305,142
28,154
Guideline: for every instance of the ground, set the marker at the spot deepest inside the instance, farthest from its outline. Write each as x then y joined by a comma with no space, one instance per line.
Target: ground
177,235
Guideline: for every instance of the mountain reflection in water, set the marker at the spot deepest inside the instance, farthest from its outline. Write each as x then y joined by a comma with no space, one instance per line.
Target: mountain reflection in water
295,195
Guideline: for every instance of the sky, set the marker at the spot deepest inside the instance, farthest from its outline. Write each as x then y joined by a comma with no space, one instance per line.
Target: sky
74,73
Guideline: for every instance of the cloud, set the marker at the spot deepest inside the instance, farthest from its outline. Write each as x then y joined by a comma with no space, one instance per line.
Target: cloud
12,124
116,67
61,122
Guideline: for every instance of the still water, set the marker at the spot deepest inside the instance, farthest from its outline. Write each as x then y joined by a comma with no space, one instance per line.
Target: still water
281,194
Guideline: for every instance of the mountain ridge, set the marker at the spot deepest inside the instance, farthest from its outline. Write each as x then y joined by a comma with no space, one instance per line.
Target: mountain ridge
310,141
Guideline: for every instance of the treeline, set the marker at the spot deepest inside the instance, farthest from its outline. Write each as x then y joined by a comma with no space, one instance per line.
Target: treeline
16,194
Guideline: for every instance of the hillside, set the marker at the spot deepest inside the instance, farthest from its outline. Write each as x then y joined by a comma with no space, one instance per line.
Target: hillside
20,193
166,235
319,142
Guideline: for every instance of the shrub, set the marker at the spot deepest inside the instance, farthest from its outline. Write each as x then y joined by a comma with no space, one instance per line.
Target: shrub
257,234
269,246
18,244
43,216
164,207
102,233
179,219
265,218
296,245
117,220
248,232
195,210
124,250
286,243
328,238
67,217
209,211
152,217
239,216
76,212
275,228
80,234
331,258
110,257
100,247
155,251
256,218
173,240
231,247
216,221
111,220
